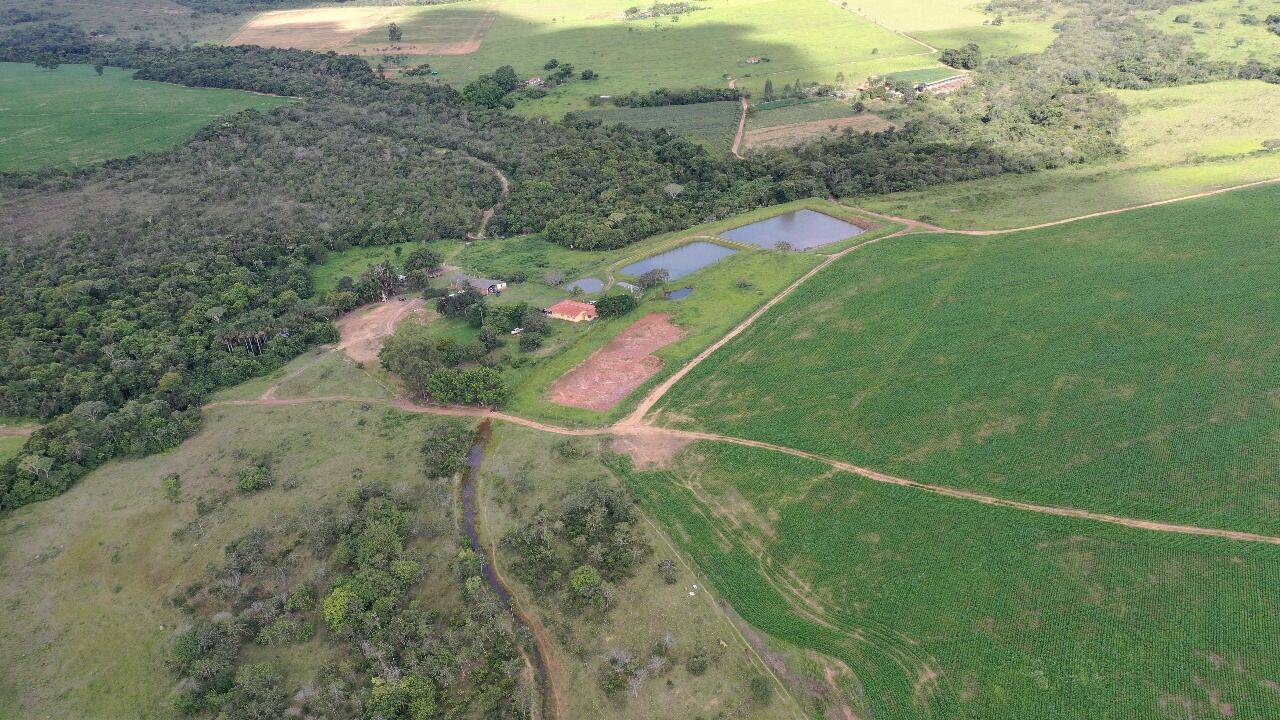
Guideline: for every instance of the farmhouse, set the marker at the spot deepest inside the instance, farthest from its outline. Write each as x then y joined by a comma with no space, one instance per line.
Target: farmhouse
945,85
484,286
572,310
535,82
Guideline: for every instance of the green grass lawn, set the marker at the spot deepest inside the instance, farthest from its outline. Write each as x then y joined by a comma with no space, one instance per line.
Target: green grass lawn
88,623
808,39
71,116
712,125
1234,40
10,445
1125,364
952,609
1181,141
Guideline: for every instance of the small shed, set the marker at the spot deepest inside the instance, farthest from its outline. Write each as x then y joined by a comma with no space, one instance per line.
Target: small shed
572,310
484,286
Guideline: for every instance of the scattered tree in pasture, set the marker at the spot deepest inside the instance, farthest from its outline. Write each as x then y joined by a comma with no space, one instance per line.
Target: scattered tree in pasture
394,33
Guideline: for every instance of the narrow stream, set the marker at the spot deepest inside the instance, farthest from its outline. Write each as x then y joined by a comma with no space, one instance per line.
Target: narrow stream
475,457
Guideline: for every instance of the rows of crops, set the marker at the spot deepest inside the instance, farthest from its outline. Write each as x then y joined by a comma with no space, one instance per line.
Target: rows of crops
1126,364
711,125
951,609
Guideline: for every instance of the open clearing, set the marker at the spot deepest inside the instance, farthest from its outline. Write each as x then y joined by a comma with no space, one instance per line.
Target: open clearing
71,116
364,330
444,30
947,609
1181,140
613,371
1124,364
315,28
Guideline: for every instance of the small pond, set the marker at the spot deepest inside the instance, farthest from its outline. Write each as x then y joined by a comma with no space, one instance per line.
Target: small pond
683,260
680,294
586,285
804,229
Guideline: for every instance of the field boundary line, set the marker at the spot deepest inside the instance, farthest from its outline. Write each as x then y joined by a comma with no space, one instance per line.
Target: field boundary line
929,227
959,494
932,50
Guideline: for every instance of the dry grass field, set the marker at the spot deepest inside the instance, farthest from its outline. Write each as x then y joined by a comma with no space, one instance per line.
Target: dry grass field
315,28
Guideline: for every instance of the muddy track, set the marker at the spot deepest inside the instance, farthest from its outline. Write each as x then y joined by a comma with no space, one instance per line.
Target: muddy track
503,194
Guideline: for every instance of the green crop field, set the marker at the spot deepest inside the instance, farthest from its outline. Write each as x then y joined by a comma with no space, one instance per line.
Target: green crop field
1217,28
1181,141
946,608
711,125
1124,364
772,114
805,39
70,116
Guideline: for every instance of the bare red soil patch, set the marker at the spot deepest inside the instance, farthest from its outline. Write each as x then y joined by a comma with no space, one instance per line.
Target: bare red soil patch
363,330
466,46
613,371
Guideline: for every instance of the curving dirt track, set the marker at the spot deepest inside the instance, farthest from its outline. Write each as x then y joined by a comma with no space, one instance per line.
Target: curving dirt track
364,330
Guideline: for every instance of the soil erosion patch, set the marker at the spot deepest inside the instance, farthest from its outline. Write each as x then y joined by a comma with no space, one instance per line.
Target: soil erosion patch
613,371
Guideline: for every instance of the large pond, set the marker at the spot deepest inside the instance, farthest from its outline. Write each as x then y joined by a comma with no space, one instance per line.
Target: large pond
683,260
803,229
586,285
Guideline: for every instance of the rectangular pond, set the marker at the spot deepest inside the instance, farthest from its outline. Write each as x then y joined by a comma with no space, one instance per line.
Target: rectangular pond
683,260
803,229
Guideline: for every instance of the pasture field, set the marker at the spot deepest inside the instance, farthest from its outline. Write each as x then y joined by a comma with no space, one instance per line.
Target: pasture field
524,470
805,39
10,445
71,116
324,28
1181,141
88,575
952,609
1222,34
712,125
952,23
1122,365
160,20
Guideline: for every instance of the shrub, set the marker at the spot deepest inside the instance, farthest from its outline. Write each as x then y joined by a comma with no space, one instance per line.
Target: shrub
254,478
172,485
616,305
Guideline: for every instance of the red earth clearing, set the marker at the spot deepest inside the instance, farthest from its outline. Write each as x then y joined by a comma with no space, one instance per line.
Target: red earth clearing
613,371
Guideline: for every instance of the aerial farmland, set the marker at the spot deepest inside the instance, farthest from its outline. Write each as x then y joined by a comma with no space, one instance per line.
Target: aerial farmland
548,360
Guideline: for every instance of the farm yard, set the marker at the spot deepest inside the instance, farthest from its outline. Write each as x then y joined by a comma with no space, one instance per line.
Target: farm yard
948,608
1180,140
73,117
1045,366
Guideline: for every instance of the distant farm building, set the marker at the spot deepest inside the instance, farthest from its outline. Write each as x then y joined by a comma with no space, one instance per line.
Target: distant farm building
945,85
484,286
754,60
628,287
572,310
535,82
